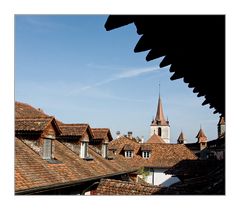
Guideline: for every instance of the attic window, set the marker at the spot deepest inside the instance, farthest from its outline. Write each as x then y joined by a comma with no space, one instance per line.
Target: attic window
146,154
128,153
47,149
84,149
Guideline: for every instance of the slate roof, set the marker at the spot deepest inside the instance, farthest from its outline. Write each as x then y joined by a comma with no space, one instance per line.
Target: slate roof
162,155
118,187
155,139
183,40
34,173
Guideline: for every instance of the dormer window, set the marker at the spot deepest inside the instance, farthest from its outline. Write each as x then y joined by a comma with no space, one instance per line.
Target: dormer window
128,150
146,150
104,150
128,153
84,149
146,154
47,149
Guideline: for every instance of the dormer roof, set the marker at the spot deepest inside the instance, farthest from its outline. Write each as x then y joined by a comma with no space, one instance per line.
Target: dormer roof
128,147
102,133
75,129
35,125
155,139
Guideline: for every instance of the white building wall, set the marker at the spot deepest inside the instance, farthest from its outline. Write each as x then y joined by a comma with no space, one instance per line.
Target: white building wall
157,176
165,134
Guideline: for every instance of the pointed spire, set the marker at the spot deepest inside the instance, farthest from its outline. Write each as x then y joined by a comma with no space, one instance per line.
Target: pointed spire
181,138
201,136
160,119
221,120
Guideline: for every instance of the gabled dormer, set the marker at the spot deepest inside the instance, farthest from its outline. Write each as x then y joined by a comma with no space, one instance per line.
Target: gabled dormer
128,150
100,141
39,134
146,151
76,137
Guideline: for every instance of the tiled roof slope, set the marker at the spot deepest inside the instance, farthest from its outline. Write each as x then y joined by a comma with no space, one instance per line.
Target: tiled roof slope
101,133
162,155
32,172
24,111
74,129
117,187
155,139
38,124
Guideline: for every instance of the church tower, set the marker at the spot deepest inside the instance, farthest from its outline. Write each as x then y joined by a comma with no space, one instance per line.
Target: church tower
159,125
221,127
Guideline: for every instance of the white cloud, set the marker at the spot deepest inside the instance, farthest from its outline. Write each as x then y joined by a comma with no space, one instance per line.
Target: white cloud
123,75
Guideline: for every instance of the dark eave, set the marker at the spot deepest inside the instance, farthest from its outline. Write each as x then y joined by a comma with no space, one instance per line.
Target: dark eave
194,46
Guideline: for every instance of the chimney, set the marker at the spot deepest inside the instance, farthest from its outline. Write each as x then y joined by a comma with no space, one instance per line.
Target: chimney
130,134
118,134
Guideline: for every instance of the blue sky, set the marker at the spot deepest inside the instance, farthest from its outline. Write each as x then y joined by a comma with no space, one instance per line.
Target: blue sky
72,68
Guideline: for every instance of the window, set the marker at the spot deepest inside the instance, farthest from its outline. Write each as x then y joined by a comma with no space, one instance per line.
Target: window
84,152
47,149
128,153
146,154
159,131
104,150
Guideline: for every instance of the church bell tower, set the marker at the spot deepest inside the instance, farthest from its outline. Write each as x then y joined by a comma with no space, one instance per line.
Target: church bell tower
159,125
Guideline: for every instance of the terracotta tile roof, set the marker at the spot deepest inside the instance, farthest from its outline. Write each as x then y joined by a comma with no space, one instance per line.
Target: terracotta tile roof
117,187
155,139
102,133
74,129
34,173
128,147
162,155
24,111
38,124
146,147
